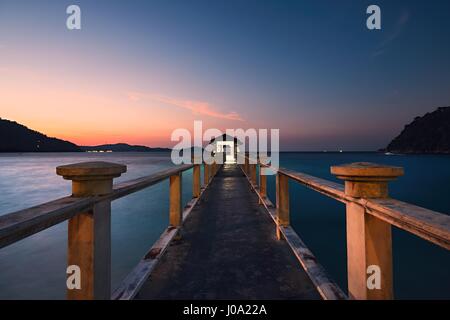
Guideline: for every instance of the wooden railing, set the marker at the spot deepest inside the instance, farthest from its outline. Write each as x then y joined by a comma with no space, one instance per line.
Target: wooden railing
89,213
370,213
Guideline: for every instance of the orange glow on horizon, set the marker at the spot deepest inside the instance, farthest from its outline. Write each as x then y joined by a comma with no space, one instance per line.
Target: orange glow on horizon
92,115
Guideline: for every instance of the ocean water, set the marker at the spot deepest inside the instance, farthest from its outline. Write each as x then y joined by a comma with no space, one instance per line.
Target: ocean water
34,268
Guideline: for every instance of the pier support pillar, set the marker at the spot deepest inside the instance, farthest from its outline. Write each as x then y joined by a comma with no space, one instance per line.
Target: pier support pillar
246,164
206,173
282,187
253,174
196,181
175,211
369,241
89,232
262,184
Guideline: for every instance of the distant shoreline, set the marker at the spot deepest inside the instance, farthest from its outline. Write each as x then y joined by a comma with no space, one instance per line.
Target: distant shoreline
169,151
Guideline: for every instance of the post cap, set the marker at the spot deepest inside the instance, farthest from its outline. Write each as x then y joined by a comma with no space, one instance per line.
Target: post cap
365,179
96,170
366,171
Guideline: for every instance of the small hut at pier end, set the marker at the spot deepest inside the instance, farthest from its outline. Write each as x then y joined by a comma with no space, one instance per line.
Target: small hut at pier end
226,145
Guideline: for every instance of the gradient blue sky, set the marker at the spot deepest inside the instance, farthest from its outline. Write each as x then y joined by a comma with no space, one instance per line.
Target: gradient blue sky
310,68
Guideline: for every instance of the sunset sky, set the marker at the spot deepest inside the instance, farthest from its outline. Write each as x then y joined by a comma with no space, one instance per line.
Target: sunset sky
137,70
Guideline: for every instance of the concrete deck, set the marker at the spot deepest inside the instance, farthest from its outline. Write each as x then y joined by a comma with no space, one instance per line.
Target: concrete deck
228,250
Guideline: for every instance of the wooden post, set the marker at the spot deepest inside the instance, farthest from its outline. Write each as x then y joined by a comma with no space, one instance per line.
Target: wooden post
196,181
206,173
175,200
89,232
282,185
246,168
262,184
253,174
369,241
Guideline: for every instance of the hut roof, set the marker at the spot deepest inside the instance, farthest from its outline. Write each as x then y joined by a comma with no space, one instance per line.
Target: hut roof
226,137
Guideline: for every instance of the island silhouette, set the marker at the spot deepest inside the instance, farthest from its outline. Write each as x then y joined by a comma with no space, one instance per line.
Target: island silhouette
15,137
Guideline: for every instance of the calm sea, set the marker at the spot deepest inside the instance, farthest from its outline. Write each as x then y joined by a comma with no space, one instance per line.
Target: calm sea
34,268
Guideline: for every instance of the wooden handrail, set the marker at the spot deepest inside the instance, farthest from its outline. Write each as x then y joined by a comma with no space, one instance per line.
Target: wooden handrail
430,225
24,223
325,187
426,224
18,225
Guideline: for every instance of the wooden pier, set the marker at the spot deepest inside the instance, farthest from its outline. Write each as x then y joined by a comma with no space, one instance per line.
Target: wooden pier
229,241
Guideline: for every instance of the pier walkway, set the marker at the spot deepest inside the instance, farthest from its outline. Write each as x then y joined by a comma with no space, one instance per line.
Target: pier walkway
228,250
